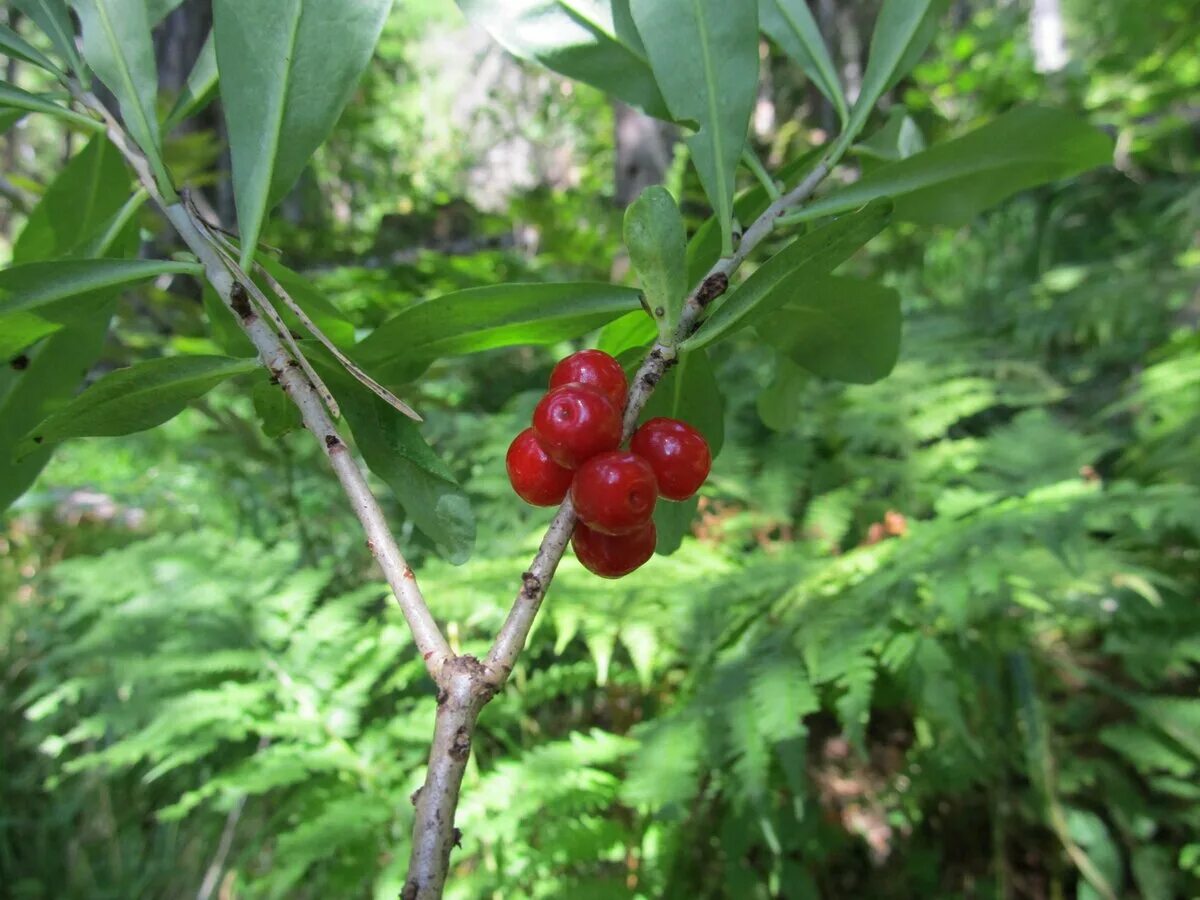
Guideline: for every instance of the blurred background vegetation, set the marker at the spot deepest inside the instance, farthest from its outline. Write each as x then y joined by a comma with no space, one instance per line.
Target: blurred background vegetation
935,637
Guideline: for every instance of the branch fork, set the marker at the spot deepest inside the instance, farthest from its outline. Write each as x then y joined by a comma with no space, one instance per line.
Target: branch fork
465,684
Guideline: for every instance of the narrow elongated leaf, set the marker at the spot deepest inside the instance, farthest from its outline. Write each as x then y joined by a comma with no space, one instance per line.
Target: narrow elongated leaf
12,44
15,98
810,255
588,40
396,452
488,317
200,88
902,35
635,329
52,17
689,392
85,195
323,314
657,243
840,328
52,373
117,45
900,138
790,24
951,183
9,118
39,298
288,68
136,398
705,57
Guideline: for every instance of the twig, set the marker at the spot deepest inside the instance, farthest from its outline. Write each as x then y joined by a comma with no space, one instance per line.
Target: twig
363,378
232,286
438,798
511,639
465,684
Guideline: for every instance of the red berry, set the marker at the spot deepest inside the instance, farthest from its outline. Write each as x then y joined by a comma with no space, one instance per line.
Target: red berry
574,423
613,555
596,369
535,477
677,453
614,493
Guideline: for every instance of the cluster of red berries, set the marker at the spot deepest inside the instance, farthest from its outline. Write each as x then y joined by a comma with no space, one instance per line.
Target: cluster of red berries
573,446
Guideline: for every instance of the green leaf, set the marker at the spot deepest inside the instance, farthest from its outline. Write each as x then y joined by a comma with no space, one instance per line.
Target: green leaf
951,183
840,328
287,68
12,44
902,34
200,88
777,403
117,45
630,331
86,194
791,26
9,118
689,392
589,40
394,449
323,314
157,10
39,298
705,57
657,243
52,374
15,98
673,522
277,413
52,17
808,256
79,202
900,138
488,317
136,398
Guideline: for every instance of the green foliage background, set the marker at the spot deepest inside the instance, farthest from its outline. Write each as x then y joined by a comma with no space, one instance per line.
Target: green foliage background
988,697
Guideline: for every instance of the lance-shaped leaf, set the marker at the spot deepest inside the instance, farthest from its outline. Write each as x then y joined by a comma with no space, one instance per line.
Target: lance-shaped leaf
15,98
137,398
902,34
845,329
484,318
12,44
790,24
952,182
79,202
117,45
48,376
809,255
86,194
393,448
287,68
689,392
39,298
705,56
657,244
52,17
589,40
200,88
